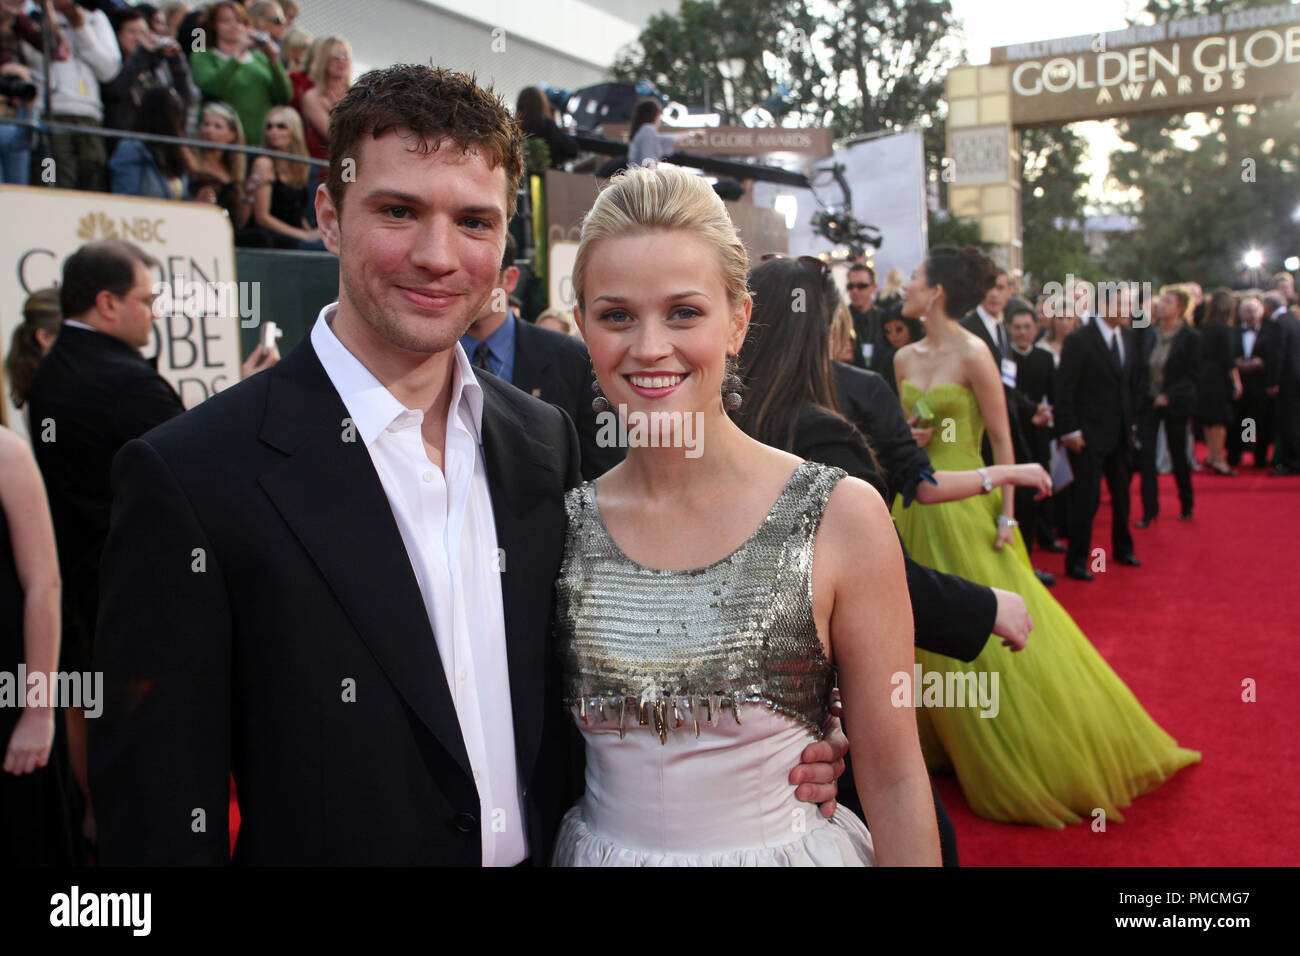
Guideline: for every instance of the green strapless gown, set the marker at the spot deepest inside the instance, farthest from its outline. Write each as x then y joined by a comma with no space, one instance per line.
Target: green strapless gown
1068,736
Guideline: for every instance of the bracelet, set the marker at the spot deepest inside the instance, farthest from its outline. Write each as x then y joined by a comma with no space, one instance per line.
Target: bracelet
1004,521
986,482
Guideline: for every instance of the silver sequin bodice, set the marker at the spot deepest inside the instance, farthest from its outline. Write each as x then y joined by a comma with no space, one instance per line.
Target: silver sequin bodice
670,650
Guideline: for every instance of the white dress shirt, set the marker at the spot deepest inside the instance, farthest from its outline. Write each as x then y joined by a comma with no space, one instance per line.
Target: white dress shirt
995,329
1248,336
446,521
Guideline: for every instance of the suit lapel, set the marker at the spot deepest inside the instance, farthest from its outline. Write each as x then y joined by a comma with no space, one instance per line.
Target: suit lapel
1108,360
532,361
508,452
329,494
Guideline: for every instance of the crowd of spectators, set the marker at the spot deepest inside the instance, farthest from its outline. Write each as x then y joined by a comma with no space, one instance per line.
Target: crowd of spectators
230,73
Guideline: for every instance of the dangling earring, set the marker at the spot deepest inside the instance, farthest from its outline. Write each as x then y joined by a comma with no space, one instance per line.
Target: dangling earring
731,385
600,403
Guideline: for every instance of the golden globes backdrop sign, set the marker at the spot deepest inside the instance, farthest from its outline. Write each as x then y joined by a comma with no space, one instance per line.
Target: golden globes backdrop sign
1184,64
197,317
1176,66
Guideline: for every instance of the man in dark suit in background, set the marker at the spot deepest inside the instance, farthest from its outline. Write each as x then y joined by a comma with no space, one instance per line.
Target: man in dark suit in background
873,350
546,364
1035,372
92,393
1253,345
1283,382
1094,412
1022,412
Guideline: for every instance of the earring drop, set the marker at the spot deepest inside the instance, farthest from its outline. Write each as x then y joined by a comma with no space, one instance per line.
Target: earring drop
731,385
600,403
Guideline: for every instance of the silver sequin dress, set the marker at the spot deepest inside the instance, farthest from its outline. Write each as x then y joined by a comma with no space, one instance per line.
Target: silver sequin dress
696,692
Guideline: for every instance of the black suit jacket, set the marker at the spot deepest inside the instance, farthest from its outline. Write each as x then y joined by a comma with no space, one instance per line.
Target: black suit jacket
555,367
1019,408
1092,396
253,573
867,400
950,615
1182,366
1254,381
1284,354
96,393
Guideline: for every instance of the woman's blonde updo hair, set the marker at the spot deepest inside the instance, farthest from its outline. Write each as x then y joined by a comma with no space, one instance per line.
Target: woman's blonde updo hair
658,199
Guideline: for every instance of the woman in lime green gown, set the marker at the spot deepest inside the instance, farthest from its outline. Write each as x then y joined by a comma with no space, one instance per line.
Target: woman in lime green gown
1068,736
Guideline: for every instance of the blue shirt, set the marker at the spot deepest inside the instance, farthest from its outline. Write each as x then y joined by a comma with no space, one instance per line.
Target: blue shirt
501,362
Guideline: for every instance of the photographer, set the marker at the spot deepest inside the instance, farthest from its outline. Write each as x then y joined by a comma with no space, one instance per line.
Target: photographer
16,91
148,61
240,67
85,54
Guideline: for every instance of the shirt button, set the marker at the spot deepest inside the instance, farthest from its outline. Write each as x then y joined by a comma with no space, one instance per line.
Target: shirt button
464,675
428,476
476,775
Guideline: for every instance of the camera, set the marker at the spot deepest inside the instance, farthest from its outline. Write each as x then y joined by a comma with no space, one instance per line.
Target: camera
16,88
260,36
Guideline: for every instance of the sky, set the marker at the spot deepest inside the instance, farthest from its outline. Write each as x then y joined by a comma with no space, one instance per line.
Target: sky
990,23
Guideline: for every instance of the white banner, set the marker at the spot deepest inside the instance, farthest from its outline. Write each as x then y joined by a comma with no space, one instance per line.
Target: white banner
887,176
196,324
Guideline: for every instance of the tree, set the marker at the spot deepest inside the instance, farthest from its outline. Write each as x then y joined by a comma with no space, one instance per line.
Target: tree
853,66
1052,205
1201,208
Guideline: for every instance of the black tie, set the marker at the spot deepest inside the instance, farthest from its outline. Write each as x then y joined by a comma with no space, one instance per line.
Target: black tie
1114,350
1002,341
481,356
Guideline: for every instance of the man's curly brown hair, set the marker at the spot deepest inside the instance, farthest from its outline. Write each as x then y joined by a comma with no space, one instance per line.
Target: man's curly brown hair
439,107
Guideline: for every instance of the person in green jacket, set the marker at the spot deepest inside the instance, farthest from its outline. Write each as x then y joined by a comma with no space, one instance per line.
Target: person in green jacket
239,67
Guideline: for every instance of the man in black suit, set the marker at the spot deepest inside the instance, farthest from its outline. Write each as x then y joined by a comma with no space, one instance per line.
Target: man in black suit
337,579
92,393
1035,372
548,365
873,350
1094,412
1283,382
1253,345
1022,412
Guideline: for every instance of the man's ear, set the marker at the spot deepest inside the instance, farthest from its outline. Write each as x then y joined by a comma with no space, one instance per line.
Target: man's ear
106,307
327,219
510,279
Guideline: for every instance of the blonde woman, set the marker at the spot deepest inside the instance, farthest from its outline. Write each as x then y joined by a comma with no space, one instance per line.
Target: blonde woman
219,174
557,320
843,337
330,70
697,634
892,290
280,200
297,49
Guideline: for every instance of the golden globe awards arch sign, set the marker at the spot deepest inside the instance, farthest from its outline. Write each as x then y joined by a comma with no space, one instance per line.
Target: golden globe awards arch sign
1178,66
1186,64
197,318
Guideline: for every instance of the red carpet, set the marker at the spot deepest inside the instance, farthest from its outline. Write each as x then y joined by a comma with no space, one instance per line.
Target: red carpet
1214,603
